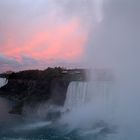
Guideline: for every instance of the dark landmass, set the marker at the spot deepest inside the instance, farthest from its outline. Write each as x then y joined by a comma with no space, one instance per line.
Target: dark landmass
31,87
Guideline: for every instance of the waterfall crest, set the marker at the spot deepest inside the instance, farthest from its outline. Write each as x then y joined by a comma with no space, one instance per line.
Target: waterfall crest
3,82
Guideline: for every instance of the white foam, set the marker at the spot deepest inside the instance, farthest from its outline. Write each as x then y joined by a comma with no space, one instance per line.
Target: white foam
35,125
3,82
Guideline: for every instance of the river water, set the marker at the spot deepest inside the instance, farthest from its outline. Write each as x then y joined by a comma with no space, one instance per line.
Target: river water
17,127
86,120
14,127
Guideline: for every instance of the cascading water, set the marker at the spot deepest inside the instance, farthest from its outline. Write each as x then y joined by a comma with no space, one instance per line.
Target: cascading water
77,94
82,92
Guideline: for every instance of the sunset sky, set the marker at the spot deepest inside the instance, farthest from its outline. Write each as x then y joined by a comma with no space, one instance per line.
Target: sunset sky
35,34
41,33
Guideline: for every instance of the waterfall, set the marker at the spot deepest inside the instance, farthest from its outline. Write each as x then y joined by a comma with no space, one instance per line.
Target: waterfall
3,82
81,92
76,94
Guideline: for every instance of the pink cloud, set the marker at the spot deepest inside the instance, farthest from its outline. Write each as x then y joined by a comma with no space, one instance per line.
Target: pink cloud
63,41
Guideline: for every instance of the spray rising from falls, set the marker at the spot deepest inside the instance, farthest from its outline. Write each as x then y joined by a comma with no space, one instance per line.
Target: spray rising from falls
115,45
89,103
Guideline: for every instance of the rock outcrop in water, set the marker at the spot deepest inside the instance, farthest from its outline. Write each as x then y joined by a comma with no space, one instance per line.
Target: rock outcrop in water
32,87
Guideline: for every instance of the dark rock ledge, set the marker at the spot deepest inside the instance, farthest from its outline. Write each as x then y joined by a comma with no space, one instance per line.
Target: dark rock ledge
32,87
